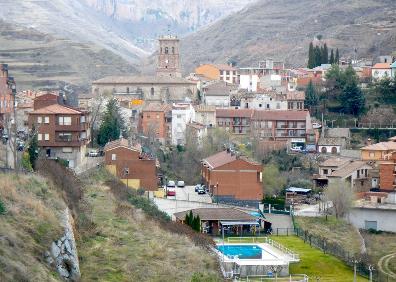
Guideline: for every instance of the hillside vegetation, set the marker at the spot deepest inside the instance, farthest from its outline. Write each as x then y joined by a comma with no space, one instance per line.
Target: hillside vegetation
283,30
127,244
28,225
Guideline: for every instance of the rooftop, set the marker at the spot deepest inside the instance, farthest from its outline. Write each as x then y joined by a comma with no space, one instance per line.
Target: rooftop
382,146
119,143
229,113
196,125
156,107
381,66
142,80
336,162
364,204
219,159
348,169
295,95
330,141
57,109
220,88
205,108
218,214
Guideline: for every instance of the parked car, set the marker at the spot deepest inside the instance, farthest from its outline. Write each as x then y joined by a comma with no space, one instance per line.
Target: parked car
21,145
171,184
93,153
181,184
171,193
316,125
197,187
296,149
201,190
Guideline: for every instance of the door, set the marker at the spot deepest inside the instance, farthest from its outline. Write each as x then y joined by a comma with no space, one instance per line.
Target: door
370,225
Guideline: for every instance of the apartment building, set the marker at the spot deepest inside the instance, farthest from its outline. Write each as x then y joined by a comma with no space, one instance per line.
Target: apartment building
221,72
182,114
156,121
63,132
236,121
6,95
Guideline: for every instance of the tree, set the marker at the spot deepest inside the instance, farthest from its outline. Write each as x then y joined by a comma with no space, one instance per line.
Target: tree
26,162
352,96
311,98
325,54
273,181
112,124
197,224
331,61
33,150
311,56
337,57
386,88
318,56
340,195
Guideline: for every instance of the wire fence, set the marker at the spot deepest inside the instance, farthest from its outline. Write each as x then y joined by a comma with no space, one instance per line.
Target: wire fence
361,262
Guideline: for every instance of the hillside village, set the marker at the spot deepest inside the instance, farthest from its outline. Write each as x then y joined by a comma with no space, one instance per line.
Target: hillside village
262,156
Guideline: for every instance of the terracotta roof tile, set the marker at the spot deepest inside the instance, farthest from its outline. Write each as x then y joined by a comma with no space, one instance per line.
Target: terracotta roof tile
279,115
157,107
381,66
382,146
57,109
227,113
142,80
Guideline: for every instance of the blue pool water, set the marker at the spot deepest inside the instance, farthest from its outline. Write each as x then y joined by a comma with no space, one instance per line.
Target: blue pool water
242,251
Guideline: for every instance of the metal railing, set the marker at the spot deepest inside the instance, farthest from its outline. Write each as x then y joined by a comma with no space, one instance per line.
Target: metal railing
294,256
290,278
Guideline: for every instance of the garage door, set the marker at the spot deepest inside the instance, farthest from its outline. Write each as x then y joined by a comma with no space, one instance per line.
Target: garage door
370,224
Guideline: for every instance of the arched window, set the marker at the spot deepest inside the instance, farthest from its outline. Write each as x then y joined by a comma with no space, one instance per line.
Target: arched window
166,50
334,150
161,50
152,91
324,150
173,50
127,90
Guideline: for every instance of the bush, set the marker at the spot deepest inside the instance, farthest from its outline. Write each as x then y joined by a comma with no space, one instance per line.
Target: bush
2,207
276,202
26,162
200,277
148,207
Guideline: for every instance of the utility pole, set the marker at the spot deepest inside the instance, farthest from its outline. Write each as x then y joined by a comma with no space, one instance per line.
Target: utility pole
13,88
371,268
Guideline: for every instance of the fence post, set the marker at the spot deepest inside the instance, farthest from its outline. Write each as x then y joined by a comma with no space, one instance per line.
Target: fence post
277,231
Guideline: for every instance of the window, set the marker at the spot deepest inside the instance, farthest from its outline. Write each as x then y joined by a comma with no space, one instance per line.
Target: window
39,119
113,157
157,116
173,50
127,90
278,105
39,137
260,105
65,137
64,120
82,119
46,137
46,120
152,91
67,150
325,171
178,116
268,106
166,50
371,154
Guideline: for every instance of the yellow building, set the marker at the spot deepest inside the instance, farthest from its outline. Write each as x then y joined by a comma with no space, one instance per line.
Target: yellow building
378,151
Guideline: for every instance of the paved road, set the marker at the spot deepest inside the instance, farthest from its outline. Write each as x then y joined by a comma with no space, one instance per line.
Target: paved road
188,194
88,163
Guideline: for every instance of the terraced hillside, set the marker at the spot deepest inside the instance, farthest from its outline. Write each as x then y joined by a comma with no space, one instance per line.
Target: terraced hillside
38,60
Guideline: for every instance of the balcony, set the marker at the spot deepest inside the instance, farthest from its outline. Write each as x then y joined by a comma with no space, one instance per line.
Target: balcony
73,127
62,143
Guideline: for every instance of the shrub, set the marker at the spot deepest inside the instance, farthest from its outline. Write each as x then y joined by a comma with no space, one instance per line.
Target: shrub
200,277
26,162
2,207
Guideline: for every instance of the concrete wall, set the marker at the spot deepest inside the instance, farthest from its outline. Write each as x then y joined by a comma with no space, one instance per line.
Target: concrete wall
385,218
218,101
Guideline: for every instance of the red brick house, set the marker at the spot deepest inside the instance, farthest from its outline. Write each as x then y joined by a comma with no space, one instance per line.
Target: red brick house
387,173
63,132
155,121
237,121
129,164
233,179
6,97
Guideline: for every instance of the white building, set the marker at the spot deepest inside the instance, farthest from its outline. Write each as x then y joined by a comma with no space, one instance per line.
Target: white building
381,70
218,94
205,115
393,69
182,114
265,101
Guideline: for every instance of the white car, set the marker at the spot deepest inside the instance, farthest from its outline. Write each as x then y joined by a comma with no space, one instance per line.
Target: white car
93,153
171,184
316,125
296,149
180,184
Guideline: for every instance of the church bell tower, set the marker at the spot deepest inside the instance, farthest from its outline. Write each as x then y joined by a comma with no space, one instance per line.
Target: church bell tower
168,57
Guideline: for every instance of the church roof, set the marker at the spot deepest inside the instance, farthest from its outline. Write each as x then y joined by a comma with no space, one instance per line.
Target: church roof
142,80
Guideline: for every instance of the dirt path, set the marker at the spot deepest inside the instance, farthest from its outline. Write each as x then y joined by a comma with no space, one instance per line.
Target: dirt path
383,265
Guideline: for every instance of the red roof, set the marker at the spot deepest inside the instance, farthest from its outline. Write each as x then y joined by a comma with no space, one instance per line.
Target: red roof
157,107
219,159
56,109
381,66
279,115
227,113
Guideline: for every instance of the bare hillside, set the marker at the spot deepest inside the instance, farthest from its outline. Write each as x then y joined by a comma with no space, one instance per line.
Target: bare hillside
283,29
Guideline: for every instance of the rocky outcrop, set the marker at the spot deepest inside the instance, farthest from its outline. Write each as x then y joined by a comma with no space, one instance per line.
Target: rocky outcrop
63,252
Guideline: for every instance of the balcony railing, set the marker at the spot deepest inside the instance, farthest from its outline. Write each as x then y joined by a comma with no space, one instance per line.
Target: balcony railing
73,127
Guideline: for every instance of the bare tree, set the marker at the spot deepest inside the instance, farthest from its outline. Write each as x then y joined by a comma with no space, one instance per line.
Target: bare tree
340,194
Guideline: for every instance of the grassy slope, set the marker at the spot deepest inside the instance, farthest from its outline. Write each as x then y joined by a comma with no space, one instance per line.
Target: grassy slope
375,246
335,231
27,228
128,246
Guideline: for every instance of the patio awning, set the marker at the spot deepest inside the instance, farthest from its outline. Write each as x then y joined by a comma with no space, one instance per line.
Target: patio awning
228,223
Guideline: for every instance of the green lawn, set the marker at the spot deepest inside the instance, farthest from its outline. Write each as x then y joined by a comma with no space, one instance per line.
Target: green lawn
314,262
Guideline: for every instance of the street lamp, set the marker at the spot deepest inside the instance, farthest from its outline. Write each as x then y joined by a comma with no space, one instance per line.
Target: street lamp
355,262
166,187
12,86
217,193
371,268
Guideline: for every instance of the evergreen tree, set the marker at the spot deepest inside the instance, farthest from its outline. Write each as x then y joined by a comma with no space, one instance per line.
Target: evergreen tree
337,57
311,56
33,150
318,56
311,98
325,54
331,57
197,225
112,124
190,218
187,219
352,96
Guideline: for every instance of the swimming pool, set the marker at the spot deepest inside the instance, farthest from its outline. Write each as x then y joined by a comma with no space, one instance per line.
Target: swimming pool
242,251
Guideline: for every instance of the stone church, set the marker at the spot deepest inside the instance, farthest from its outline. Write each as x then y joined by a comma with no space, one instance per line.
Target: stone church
167,86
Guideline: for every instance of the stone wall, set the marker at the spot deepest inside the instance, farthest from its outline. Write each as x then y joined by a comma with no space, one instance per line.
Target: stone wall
63,252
